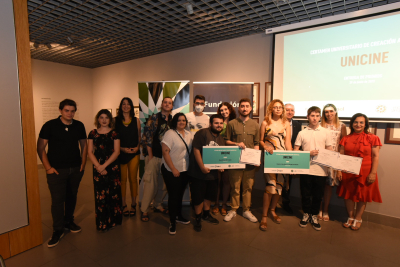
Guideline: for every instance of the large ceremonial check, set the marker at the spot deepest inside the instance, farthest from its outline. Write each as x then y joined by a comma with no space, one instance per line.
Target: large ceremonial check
222,157
287,162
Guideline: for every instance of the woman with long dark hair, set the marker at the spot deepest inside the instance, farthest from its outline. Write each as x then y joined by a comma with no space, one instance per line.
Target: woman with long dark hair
227,111
128,128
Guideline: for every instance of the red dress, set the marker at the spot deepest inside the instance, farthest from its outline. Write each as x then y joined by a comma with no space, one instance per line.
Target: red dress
355,187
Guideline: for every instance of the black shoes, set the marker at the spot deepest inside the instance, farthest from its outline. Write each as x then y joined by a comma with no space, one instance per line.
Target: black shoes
73,227
210,219
287,208
55,239
314,222
180,219
172,228
197,225
304,221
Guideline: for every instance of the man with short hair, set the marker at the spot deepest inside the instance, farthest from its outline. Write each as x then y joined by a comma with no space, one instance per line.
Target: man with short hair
296,128
156,127
64,164
204,181
197,119
313,138
243,132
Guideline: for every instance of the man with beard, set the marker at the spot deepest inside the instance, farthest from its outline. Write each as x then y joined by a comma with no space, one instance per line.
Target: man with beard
204,181
156,127
243,132
197,119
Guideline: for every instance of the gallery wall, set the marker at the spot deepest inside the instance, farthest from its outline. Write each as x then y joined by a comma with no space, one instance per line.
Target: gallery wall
246,59
52,83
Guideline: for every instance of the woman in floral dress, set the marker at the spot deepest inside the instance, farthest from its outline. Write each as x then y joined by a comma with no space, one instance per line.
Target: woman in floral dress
103,151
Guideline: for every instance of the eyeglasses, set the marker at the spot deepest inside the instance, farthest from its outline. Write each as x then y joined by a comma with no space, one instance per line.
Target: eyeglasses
199,104
277,108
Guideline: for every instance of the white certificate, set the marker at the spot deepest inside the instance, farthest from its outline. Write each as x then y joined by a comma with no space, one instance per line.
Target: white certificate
349,164
337,161
250,156
326,158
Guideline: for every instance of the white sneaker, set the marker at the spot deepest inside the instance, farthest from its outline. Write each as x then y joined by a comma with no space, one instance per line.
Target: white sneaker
249,216
230,215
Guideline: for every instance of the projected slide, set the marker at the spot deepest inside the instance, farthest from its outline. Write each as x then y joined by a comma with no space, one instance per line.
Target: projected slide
355,66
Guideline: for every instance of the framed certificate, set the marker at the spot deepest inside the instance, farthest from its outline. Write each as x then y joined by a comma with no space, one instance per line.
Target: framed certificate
294,162
222,157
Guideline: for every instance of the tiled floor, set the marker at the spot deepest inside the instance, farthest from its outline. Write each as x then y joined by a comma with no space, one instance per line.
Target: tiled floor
237,243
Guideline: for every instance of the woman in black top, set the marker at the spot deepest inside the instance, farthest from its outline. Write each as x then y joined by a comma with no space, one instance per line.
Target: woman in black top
128,127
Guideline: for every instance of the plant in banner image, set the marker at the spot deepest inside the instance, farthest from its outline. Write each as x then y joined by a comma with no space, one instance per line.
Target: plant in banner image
151,95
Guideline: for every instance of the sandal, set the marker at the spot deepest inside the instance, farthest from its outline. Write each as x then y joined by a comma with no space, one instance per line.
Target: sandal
354,226
275,218
125,212
263,225
325,216
348,224
215,210
223,212
164,211
320,217
144,218
132,212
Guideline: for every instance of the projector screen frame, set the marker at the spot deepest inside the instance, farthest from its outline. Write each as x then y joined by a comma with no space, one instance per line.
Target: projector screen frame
372,119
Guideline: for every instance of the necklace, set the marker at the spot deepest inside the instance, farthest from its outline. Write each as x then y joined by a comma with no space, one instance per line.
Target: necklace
127,123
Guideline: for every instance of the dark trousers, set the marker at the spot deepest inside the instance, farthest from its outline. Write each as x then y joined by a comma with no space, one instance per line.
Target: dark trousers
286,193
64,191
176,188
312,192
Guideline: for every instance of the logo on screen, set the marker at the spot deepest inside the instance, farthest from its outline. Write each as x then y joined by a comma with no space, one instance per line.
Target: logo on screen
381,109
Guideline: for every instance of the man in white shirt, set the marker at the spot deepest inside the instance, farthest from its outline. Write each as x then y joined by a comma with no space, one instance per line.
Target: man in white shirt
313,138
197,120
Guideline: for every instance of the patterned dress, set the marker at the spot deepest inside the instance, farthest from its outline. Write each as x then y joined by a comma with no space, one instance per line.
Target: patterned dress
335,132
275,182
107,188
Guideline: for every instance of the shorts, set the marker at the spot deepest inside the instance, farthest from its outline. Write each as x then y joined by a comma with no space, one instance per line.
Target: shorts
203,189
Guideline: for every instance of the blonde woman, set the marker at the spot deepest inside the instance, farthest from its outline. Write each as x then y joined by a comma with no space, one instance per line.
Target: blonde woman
275,135
330,120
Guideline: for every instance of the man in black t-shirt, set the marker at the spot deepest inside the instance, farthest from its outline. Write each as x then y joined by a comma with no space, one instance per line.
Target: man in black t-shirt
204,181
64,164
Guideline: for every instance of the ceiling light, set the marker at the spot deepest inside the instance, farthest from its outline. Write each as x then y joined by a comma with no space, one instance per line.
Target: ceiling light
189,8
36,45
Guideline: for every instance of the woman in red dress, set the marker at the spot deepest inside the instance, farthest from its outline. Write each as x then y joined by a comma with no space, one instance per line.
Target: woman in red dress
364,187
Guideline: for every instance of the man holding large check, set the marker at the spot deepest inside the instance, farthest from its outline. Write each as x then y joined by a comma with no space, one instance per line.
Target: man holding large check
242,132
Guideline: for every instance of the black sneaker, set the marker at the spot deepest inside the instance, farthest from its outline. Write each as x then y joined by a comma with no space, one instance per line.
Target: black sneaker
197,225
57,235
314,222
305,220
172,228
210,219
73,227
182,220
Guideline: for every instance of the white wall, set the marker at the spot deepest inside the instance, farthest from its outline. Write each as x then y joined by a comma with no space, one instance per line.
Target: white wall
246,59
57,82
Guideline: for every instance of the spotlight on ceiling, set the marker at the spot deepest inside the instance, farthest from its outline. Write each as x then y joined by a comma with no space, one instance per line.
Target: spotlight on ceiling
255,27
189,8
48,46
36,45
69,39
282,2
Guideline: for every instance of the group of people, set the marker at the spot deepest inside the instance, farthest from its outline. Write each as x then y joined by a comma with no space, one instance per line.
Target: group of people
172,147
